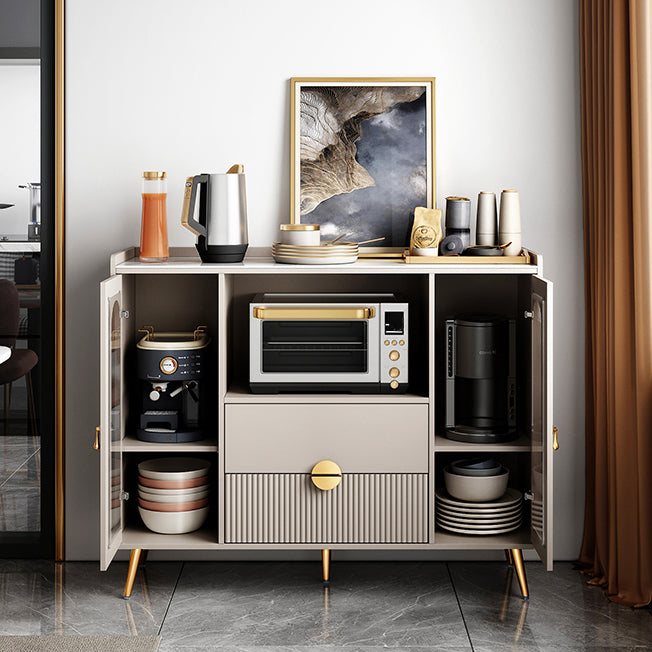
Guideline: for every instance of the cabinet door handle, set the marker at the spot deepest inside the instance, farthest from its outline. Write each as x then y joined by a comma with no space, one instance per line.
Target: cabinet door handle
326,475
96,444
555,441
315,313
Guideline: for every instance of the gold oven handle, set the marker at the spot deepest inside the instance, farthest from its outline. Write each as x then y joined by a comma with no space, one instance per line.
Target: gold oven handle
315,313
326,475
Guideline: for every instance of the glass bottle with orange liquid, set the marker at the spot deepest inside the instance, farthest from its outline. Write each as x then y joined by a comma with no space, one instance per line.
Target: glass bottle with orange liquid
154,223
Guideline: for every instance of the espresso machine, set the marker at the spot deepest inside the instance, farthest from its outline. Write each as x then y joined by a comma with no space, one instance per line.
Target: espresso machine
171,368
480,378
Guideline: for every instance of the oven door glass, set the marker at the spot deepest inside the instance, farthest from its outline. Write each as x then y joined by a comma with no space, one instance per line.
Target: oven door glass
315,346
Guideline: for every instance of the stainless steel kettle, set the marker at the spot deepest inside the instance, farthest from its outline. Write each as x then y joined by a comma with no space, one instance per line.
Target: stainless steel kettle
222,215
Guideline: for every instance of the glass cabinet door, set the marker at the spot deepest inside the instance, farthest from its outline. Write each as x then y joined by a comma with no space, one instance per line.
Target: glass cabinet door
111,420
540,421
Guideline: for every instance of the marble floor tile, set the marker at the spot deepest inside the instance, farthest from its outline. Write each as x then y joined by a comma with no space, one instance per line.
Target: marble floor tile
563,613
77,598
167,646
367,605
20,506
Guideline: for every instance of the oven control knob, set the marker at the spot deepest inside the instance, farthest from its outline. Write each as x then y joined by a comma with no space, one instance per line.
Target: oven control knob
326,475
394,372
394,384
394,355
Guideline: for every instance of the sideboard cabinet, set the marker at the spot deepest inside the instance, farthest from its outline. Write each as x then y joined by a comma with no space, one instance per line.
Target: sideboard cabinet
390,447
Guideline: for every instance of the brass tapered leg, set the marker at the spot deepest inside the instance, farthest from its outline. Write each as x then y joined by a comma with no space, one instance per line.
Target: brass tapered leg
131,573
325,565
509,557
520,572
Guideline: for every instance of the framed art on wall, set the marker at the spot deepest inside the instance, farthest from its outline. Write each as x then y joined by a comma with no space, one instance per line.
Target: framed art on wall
362,156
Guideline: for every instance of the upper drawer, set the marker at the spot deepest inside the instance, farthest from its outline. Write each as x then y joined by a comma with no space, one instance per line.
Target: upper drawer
359,438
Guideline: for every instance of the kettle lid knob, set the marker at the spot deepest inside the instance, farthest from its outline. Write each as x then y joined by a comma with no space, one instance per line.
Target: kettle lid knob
236,169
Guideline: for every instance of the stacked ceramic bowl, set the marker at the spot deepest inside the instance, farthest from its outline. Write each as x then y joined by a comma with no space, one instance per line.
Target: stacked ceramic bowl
320,254
173,494
477,500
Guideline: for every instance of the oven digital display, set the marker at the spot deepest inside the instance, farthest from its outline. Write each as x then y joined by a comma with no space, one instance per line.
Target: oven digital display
394,323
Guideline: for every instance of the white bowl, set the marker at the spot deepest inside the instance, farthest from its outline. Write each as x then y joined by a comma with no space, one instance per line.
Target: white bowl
425,251
173,496
173,468
173,522
476,488
300,234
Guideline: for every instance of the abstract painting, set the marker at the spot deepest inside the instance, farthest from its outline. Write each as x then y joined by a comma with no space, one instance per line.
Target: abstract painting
362,156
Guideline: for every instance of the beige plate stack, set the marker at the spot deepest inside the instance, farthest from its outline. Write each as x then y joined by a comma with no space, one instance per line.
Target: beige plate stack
326,254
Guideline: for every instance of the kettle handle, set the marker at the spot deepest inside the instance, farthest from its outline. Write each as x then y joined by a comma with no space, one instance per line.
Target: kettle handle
189,198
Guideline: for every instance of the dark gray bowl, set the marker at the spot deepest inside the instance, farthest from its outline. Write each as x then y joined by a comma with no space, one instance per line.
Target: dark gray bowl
461,470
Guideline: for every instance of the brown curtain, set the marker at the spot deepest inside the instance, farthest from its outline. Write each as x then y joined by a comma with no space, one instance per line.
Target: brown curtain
616,89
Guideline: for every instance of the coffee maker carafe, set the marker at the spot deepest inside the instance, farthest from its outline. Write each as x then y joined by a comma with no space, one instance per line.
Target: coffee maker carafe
171,368
222,216
480,379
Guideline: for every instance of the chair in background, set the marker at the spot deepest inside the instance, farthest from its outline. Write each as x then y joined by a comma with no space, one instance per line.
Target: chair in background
22,361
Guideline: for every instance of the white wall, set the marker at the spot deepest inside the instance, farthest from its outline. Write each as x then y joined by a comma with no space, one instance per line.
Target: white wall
196,86
20,142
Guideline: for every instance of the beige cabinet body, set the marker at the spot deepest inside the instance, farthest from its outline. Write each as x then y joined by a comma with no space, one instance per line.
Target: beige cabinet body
263,447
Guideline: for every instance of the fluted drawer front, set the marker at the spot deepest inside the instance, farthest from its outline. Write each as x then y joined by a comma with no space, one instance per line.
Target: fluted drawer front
363,508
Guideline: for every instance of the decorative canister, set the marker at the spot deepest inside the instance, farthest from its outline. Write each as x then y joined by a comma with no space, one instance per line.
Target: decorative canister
510,222
300,234
154,222
487,222
458,218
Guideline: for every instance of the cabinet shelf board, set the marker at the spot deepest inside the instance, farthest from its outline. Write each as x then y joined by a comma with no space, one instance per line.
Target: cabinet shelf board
131,444
138,536
240,394
445,445
259,260
449,541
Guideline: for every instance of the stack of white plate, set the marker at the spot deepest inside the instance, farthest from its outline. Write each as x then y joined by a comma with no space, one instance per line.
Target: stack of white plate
325,254
491,517
173,494
537,514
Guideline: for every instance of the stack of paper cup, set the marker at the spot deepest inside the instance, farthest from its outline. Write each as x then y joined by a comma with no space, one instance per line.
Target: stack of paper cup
487,223
510,222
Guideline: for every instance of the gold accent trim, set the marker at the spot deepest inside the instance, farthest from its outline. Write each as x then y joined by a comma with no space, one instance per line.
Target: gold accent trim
457,198
185,209
237,168
154,176
326,475
96,445
296,219
299,227
555,441
59,282
315,313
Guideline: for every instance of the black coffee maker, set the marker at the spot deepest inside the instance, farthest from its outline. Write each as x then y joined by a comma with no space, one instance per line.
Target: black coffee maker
171,368
480,378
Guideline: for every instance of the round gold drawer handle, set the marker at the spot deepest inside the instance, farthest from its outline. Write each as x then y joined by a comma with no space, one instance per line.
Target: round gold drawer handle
326,475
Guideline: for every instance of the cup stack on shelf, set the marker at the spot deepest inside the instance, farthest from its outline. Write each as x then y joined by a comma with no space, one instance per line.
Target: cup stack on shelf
173,494
477,500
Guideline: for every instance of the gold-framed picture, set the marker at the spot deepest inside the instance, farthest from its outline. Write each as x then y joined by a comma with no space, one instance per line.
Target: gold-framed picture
362,156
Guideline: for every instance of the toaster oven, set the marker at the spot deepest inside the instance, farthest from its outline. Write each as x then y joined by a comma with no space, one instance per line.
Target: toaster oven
328,343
